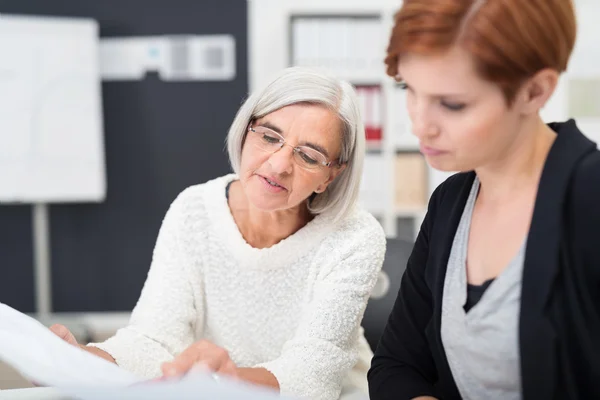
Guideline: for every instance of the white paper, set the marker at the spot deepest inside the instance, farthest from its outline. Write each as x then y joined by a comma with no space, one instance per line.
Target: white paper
33,394
41,356
196,387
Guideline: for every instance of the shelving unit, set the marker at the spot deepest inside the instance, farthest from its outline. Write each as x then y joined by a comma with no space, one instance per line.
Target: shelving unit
349,39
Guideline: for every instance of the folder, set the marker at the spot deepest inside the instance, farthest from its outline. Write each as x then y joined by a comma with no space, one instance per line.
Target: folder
411,189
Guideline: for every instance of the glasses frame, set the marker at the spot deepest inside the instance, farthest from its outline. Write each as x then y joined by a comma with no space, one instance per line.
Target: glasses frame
282,142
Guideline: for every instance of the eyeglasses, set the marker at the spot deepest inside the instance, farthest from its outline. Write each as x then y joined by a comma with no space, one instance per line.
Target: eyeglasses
306,157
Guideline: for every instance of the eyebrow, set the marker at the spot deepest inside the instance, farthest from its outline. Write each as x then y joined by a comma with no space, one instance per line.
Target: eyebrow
314,146
272,127
437,95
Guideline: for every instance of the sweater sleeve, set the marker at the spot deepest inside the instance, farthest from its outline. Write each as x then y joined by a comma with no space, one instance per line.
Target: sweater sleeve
161,323
403,366
315,361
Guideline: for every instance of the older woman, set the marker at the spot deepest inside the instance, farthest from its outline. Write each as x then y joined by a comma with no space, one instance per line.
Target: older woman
264,274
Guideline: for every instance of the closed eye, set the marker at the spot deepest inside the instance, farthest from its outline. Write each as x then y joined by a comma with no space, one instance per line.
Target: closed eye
306,158
271,139
453,106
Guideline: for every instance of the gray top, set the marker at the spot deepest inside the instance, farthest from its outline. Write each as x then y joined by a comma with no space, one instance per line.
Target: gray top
482,345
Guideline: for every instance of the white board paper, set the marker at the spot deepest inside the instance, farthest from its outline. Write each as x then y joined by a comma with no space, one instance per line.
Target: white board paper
51,145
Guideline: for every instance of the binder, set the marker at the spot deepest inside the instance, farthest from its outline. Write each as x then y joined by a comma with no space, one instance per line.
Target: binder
372,192
411,189
348,45
370,99
403,137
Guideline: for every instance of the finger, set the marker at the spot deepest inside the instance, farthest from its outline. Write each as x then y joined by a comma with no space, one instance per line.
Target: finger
184,361
210,359
203,355
228,368
64,333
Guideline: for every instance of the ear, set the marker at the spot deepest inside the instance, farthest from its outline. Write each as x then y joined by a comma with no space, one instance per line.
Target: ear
333,173
537,90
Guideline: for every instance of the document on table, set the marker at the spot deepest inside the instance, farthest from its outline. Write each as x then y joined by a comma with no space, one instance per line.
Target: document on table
44,358
194,387
41,356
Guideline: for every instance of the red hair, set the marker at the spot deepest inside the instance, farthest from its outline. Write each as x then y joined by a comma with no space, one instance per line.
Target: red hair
509,40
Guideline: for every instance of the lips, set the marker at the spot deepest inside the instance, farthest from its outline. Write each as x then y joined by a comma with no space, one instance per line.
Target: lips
431,151
273,181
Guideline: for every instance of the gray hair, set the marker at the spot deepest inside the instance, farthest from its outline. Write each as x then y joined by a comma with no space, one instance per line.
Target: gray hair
298,85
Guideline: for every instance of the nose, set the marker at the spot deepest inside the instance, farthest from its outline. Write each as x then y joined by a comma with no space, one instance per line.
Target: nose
281,160
422,124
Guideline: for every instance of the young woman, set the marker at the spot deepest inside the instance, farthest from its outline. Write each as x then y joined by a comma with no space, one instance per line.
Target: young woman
264,275
501,297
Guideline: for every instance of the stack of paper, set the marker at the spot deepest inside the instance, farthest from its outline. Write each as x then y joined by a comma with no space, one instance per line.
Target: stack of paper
39,355
44,358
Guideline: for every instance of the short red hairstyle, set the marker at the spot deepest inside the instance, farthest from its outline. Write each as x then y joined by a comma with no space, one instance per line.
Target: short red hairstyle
509,40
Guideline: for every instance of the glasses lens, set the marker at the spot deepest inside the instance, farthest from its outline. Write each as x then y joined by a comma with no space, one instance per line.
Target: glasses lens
267,139
305,157
309,158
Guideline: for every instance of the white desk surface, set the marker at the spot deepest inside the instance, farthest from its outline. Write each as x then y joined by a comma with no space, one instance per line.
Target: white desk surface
32,394
53,394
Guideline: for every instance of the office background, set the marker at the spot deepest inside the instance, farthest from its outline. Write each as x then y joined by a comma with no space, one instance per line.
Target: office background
160,137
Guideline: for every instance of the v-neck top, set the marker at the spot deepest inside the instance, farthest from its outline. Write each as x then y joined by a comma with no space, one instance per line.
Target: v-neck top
474,293
482,342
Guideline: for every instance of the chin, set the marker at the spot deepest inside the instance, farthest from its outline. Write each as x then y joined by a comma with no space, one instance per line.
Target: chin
447,164
441,165
262,202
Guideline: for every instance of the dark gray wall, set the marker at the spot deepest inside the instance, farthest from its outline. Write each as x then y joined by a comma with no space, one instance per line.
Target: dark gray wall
159,138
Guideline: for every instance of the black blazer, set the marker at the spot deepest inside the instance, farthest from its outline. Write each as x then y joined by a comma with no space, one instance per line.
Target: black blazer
559,322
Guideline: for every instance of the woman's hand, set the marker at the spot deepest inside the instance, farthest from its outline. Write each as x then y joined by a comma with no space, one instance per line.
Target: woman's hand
65,334
202,354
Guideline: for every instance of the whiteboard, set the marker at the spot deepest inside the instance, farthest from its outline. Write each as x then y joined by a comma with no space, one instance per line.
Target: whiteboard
51,133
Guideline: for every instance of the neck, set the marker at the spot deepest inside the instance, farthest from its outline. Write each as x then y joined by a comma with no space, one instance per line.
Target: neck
262,229
520,167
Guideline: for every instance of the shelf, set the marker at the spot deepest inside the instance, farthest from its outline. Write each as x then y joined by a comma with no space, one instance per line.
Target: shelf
400,212
343,38
407,143
359,78
374,146
410,212
408,149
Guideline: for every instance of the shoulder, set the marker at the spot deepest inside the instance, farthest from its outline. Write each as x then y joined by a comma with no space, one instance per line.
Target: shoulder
358,235
353,251
583,215
585,192
360,221
197,195
359,225
453,189
587,175
453,185
195,202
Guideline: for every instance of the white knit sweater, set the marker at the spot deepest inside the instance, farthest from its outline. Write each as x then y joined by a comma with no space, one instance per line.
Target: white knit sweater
294,308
